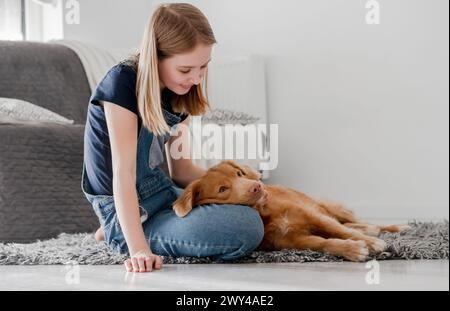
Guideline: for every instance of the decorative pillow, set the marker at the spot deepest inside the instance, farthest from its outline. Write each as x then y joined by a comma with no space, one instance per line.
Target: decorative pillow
20,111
226,116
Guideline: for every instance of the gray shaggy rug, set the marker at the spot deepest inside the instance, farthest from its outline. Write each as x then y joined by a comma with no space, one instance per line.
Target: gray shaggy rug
422,241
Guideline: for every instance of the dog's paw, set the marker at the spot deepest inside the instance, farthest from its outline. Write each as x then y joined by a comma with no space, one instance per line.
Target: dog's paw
356,251
372,231
376,245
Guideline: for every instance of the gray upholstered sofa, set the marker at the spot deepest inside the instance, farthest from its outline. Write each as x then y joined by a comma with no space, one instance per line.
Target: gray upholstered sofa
41,164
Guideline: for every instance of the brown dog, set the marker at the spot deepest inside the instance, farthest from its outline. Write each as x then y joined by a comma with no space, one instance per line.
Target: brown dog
291,219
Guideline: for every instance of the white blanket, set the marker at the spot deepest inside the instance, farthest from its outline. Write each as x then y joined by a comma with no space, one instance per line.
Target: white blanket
96,61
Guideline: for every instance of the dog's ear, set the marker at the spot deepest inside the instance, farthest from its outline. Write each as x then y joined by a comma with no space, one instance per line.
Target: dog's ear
249,172
183,205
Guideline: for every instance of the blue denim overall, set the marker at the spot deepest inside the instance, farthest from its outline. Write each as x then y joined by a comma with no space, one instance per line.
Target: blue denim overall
222,231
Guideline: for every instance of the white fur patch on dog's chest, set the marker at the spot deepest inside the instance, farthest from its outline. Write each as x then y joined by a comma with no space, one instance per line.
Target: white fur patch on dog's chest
283,224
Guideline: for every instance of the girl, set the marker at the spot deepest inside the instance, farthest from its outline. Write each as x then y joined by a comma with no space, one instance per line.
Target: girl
130,116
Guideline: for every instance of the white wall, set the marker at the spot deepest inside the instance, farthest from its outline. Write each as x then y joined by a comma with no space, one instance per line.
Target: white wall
44,20
362,109
113,24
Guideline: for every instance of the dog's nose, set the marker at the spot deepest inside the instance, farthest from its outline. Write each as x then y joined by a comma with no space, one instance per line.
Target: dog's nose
255,188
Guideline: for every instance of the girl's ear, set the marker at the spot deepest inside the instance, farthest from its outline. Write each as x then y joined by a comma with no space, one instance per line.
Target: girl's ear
183,205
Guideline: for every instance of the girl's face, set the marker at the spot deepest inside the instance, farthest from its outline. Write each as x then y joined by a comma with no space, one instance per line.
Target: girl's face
180,72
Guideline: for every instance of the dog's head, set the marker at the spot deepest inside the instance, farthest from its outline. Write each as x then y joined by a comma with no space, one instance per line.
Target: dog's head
224,183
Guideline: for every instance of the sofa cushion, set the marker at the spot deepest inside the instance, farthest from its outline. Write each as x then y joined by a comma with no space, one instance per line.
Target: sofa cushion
47,75
40,182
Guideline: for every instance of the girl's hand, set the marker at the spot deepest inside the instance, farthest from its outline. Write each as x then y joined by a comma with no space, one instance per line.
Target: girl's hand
143,261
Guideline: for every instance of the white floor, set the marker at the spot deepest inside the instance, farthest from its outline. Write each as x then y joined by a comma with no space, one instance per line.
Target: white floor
393,275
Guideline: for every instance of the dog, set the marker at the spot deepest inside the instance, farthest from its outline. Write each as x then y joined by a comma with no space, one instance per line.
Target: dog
291,219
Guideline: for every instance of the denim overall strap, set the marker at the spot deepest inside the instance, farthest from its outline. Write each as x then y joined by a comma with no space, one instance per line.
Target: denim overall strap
150,178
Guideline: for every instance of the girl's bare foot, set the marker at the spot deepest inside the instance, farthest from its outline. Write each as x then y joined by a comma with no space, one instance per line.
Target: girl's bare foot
99,235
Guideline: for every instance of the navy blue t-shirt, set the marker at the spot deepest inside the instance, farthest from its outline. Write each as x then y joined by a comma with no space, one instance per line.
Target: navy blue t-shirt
118,87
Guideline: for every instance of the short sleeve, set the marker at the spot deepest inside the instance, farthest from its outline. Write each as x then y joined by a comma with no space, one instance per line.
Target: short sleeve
118,87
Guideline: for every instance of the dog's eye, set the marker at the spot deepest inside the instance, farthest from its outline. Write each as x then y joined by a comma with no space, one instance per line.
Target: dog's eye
222,189
239,173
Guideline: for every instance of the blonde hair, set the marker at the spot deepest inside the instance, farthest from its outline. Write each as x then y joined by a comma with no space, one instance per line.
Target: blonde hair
172,29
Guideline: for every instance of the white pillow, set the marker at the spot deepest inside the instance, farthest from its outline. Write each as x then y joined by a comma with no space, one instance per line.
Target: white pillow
18,111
